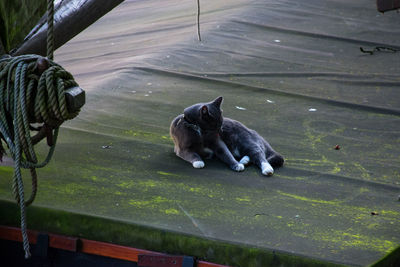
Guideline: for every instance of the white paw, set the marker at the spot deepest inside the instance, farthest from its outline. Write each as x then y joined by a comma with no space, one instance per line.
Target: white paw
245,160
239,167
198,164
267,169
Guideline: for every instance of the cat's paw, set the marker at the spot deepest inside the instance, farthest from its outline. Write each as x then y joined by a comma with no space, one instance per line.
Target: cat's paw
245,160
239,167
198,164
267,169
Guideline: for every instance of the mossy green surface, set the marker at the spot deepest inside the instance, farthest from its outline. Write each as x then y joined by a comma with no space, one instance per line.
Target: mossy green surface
314,213
140,236
115,162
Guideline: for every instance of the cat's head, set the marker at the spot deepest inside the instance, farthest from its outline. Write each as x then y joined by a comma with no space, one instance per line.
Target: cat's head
207,115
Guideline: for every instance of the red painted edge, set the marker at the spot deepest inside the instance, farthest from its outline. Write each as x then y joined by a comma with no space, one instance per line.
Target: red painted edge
88,246
63,242
113,251
209,264
55,241
14,234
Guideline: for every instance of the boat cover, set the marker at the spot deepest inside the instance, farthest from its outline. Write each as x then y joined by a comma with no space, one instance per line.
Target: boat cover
292,70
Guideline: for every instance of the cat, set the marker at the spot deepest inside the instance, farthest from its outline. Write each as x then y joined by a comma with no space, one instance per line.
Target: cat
201,131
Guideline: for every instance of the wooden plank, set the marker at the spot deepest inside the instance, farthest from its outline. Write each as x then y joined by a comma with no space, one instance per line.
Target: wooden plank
209,264
113,251
14,234
63,242
55,241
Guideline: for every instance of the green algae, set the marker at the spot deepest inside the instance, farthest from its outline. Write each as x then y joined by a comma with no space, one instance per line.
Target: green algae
347,240
6,170
243,199
364,173
145,191
162,181
172,211
167,174
152,137
319,201
139,236
329,166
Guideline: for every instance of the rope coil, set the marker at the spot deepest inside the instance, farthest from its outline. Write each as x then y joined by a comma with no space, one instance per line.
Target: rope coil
32,92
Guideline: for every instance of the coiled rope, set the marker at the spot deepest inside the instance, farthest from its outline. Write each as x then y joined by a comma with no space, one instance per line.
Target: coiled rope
32,93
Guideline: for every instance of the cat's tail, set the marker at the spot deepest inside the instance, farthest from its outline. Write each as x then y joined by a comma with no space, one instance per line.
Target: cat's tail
276,160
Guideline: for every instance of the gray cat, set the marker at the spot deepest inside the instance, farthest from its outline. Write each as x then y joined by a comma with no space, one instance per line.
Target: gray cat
201,131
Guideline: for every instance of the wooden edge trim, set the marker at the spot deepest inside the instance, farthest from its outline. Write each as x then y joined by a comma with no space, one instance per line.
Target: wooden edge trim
88,246
114,251
208,264
14,234
63,242
55,241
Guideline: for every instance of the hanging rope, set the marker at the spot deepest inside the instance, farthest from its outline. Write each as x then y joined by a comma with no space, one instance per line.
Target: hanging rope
198,20
50,29
32,92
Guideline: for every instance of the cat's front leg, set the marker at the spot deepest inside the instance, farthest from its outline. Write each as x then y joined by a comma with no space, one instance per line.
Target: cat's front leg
191,157
222,152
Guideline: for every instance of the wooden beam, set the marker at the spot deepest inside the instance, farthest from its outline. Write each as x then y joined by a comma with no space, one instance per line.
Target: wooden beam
71,17
112,250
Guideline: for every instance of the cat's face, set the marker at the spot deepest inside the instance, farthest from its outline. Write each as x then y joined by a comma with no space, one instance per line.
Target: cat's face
211,116
208,116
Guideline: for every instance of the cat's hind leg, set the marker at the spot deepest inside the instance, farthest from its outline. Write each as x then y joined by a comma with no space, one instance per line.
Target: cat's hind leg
191,157
260,160
267,169
274,158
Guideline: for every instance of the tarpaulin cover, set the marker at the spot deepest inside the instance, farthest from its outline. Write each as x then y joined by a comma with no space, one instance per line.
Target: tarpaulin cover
292,70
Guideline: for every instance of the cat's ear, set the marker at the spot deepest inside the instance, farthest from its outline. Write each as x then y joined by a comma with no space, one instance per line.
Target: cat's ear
218,101
204,110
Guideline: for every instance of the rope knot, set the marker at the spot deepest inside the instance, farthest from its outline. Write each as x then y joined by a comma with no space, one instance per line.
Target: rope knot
33,90
33,97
